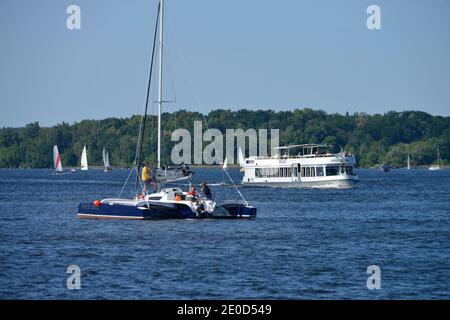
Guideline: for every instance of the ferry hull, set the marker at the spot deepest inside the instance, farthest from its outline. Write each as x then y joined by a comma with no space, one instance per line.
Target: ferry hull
337,183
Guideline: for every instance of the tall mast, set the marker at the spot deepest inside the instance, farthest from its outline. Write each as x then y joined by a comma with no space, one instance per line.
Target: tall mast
439,157
161,34
140,143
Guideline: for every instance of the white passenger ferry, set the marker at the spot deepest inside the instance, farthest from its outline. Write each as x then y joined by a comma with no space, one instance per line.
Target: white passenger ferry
311,166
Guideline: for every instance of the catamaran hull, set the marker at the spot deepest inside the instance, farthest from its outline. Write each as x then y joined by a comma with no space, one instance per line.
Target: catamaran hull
233,211
120,211
160,212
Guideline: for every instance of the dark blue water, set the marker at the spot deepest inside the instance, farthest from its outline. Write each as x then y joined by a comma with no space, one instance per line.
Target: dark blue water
304,244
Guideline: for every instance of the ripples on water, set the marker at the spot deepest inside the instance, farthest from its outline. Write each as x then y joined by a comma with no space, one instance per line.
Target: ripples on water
304,244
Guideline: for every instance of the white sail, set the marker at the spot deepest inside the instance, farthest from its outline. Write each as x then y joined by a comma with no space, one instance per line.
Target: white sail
241,157
439,164
104,158
84,163
408,165
225,164
57,159
106,161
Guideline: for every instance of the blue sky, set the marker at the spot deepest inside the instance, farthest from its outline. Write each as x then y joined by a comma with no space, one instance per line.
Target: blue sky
254,54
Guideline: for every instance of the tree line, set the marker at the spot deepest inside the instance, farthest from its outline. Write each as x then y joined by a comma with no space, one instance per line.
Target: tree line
374,139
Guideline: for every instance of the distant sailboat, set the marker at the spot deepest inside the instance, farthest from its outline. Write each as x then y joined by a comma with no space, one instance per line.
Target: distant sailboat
385,167
439,164
84,163
57,160
106,161
408,165
241,160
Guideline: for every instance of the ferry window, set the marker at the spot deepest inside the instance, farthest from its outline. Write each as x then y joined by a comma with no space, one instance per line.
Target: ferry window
332,170
303,171
249,161
319,171
308,171
295,171
313,172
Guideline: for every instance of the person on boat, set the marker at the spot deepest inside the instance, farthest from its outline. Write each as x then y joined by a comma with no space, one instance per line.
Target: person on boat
200,209
146,177
191,191
206,192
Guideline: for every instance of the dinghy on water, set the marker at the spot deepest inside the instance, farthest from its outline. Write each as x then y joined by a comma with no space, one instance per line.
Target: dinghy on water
108,167
84,162
168,203
439,165
57,162
385,167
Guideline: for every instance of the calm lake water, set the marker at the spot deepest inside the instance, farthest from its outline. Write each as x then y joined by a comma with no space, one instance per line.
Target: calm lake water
304,243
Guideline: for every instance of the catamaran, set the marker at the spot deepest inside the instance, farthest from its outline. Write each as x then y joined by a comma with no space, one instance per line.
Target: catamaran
106,164
84,162
312,166
168,203
439,165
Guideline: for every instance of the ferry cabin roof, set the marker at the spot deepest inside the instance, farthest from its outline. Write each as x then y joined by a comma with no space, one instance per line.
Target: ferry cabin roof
305,149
